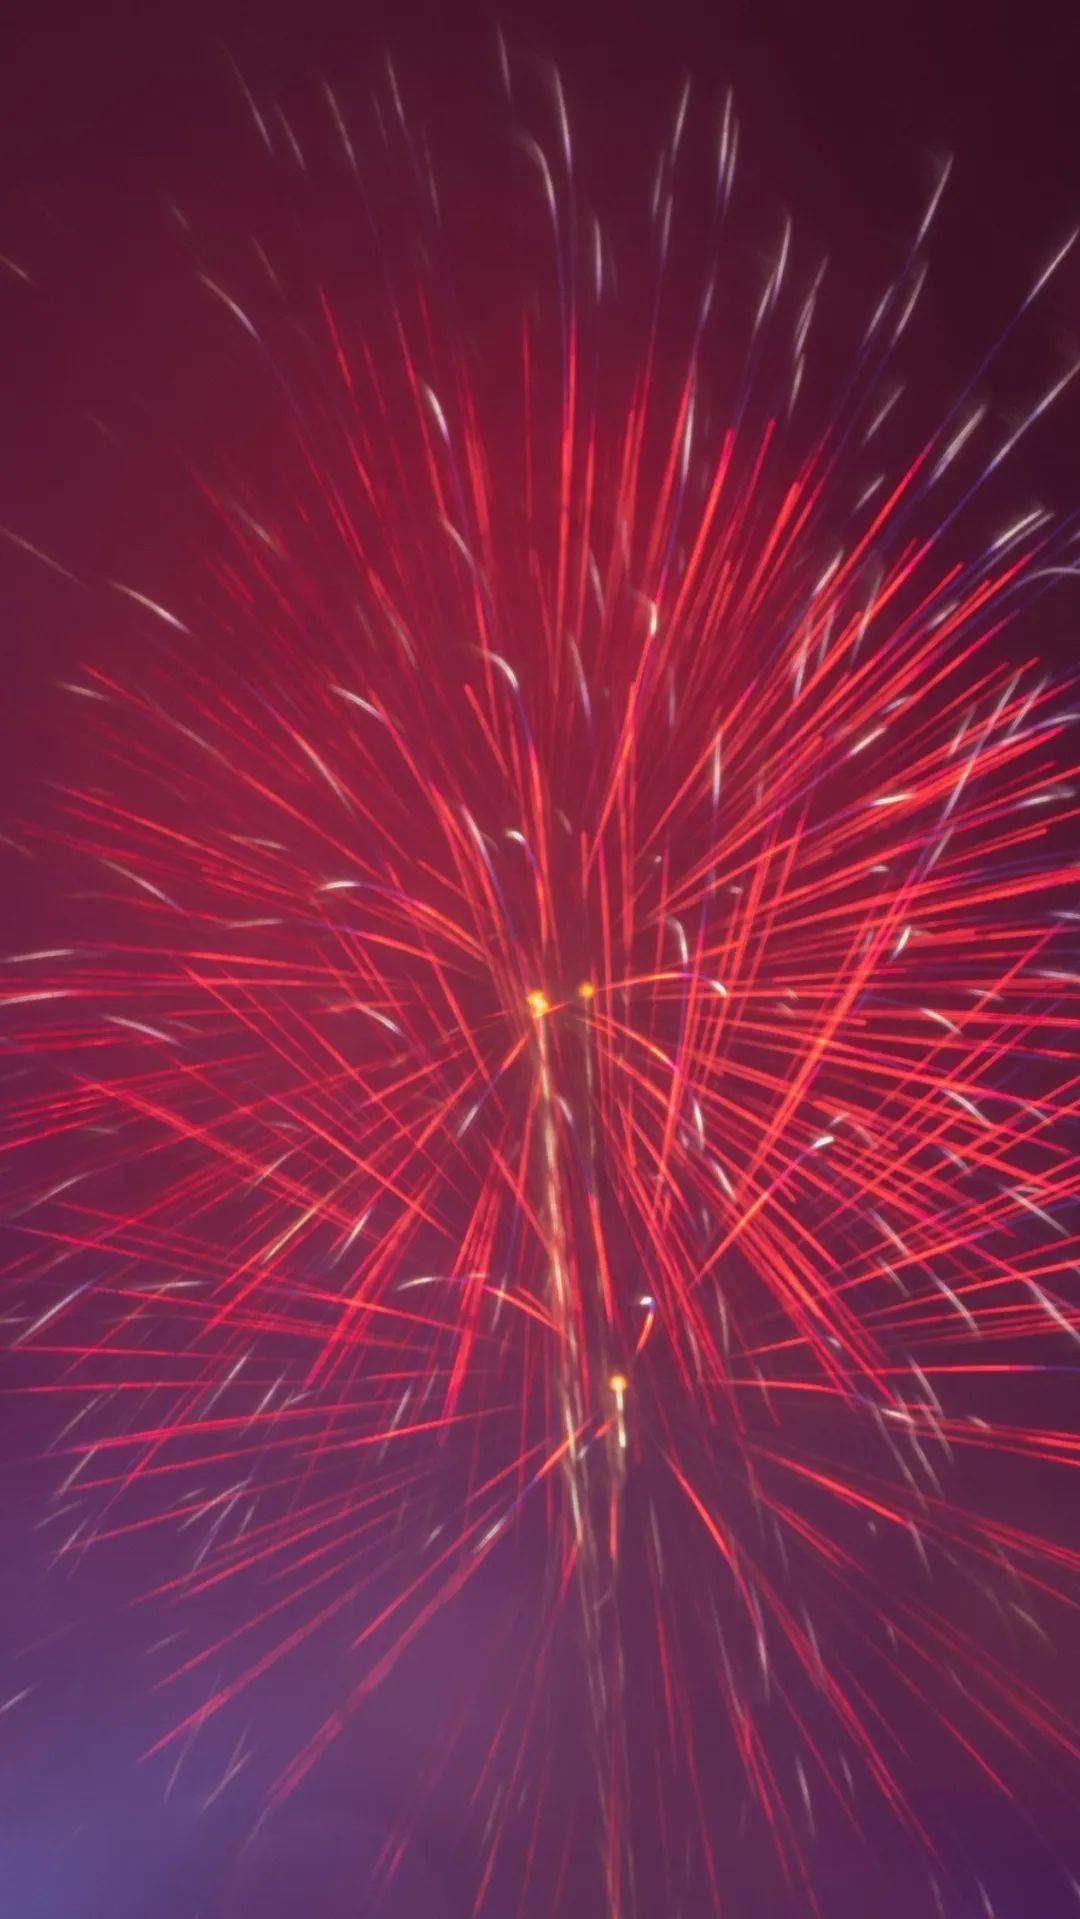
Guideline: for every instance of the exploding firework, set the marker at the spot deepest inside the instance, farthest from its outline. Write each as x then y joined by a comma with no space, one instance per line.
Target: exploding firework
579,1064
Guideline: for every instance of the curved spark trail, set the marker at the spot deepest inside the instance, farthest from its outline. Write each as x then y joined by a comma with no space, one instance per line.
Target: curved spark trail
581,1052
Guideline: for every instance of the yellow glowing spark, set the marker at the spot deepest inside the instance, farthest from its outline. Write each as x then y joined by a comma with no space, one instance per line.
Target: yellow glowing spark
586,990
538,1003
617,1382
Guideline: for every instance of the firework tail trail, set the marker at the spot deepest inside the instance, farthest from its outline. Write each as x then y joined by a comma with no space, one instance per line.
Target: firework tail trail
593,1474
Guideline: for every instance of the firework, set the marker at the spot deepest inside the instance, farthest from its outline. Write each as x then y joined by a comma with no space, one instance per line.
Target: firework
579,1067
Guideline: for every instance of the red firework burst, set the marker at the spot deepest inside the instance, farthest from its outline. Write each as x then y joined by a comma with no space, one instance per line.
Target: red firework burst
581,1061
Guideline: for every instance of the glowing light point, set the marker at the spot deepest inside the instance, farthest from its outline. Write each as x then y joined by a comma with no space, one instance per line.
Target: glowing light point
538,1003
586,990
617,1382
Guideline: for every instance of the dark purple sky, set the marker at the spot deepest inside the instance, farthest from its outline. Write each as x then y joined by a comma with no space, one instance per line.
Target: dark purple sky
105,113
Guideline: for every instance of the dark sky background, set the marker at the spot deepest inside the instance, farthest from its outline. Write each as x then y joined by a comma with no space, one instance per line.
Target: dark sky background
105,113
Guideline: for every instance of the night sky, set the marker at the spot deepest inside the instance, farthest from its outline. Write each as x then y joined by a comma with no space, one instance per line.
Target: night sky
120,383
